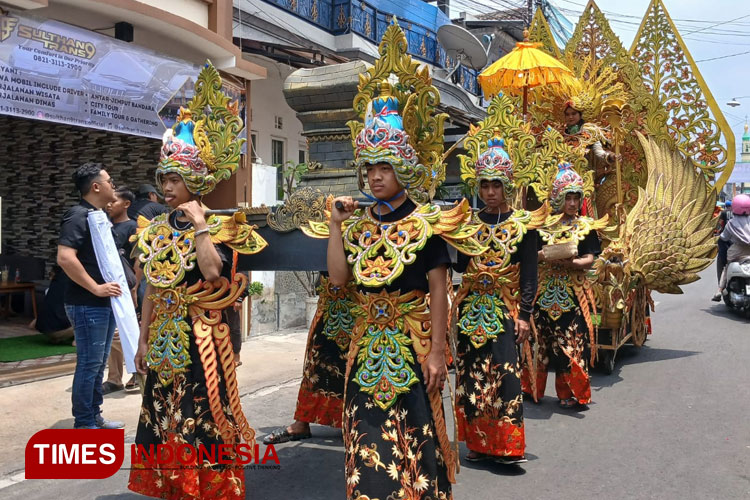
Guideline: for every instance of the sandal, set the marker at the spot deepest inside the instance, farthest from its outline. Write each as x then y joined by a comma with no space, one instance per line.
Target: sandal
511,460
282,435
477,457
132,383
568,403
109,387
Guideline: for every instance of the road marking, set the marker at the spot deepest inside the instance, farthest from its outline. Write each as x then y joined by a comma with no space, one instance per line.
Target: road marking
265,391
11,480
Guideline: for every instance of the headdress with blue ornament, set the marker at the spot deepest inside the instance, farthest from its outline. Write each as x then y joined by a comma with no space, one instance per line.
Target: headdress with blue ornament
566,181
384,140
398,124
202,146
494,164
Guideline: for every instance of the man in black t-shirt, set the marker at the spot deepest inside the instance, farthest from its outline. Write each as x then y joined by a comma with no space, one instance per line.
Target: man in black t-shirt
123,228
87,296
146,203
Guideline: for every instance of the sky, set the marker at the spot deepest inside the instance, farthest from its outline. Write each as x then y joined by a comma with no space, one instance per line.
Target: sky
727,78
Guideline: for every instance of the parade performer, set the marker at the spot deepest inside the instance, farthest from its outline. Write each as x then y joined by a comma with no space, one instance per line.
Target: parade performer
579,131
191,395
394,425
581,102
489,403
565,300
321,393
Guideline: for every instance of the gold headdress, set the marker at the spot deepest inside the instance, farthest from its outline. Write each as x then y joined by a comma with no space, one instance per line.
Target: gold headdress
499,147
593,84
202,146
399,125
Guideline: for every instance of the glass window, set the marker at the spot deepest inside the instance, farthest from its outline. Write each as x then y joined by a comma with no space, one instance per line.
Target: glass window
302,155
253,147
277,152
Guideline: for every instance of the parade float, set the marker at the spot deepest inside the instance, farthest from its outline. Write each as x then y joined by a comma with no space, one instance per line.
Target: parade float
653,150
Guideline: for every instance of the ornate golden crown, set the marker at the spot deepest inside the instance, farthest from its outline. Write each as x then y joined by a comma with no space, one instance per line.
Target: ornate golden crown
202,146
397,84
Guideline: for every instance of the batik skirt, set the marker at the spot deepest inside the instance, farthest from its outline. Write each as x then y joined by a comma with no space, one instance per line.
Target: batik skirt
564,345
489,402
321,394
394,435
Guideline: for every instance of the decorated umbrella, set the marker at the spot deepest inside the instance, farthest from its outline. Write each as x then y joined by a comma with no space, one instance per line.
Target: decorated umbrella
524,67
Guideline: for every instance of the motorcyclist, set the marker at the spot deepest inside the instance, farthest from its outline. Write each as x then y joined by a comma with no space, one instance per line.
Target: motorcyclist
723,246
737,234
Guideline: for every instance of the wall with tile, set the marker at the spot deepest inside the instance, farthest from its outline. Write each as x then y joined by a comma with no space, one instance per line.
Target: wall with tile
37,160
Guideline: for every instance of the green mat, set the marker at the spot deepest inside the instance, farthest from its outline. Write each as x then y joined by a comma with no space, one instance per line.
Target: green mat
30,347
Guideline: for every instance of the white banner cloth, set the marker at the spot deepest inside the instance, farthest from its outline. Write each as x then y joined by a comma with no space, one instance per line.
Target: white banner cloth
110,266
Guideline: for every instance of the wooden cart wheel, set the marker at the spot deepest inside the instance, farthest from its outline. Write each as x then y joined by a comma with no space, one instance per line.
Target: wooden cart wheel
607,361
638,316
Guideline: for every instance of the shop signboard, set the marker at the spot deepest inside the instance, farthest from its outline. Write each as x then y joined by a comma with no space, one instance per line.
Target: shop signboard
57,72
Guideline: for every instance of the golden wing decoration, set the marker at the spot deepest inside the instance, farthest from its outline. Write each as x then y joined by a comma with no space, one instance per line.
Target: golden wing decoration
539,216
669,232
456,228
236,233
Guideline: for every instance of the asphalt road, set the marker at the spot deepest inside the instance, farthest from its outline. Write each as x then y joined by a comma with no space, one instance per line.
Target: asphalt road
671,422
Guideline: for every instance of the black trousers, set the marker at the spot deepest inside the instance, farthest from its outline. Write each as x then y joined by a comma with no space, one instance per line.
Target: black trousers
721,257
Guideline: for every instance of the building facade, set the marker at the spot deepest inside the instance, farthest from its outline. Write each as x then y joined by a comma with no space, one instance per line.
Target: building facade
88,80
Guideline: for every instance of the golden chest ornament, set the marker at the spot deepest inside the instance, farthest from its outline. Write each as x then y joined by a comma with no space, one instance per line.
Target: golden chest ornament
559,286
490,283
167,253
501,240
380,251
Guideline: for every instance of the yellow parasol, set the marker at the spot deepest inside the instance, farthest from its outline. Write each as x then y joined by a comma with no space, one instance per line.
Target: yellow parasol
524,67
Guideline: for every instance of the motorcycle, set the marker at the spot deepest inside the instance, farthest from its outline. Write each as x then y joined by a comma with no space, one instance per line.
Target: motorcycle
737,293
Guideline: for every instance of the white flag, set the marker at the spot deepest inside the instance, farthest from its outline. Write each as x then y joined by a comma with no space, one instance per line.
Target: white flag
110,265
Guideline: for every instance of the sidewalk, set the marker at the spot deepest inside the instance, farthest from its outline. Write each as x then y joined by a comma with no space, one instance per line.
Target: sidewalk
268,362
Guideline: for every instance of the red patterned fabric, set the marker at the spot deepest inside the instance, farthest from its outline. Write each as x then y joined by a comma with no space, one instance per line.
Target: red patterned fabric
189,483
316,407
491,436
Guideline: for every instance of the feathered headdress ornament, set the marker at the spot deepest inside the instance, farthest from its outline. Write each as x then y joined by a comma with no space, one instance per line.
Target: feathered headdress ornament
566,181
399,125
593,84
494,164
202,146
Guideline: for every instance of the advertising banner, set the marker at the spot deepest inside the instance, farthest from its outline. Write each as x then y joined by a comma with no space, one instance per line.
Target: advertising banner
57,72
